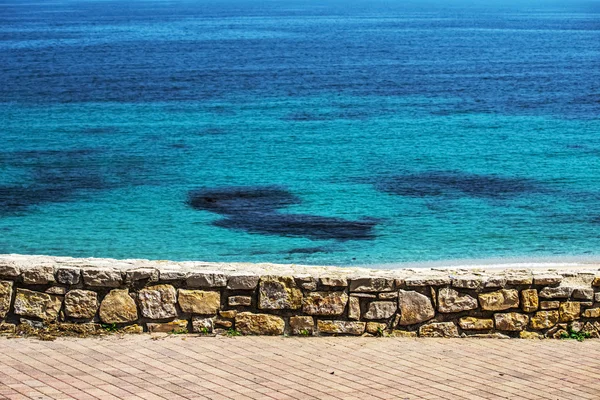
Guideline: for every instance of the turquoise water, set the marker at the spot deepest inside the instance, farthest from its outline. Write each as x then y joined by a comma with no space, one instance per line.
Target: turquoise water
358,133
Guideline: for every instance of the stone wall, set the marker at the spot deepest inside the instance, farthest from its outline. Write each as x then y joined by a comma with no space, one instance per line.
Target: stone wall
268,299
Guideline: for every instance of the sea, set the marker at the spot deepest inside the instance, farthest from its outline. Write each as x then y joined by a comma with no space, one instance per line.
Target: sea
354,132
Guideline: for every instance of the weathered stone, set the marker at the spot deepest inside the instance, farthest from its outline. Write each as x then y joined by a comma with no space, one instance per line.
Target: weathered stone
177,326
102,277
511,321
68,275
38,275
9,270
591,330
569,311
468,281
302,326
259,324
414,307
35,304
547,279
576,326
596,281
158,301
141,274
5,297
494,335
420,280
530,335
81,304
172,275
376,328
592,313
33,324
354,308
388,296
495,282
81,329
118,307
324,303
403,334
476,324
59,290
202,325
333,281
439,329
529,300
341,327
133,329
451,301
223,323
230,314
279,293
549,305
586,304
499,300
381,309
520,279
242,282
364,295
561,292
206,279
583,294
6,327
199,301
370,285
306,282
239,301
543,320
559,334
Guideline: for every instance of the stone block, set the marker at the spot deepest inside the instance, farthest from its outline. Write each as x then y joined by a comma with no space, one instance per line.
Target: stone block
592,313
242,282
530,335
569,311
279,293
68,275
325,303
35,304
371,284
499,300
306,282
495,282
199,301
354,308
561,292
302,326
547,279
5,297
438,329
419,280
451,301
544,320
142,274
583,294
229,314
202,325
177,326
596,281
474,282
511,321
235,301
333,281
388,296
118,307
102,277
414,307
206,279
81,304
171,275
519,279
38,275
529,300
59,290
403,334
259,324
9,270
549,305
341,327
476,324
375,328
158,301
381,309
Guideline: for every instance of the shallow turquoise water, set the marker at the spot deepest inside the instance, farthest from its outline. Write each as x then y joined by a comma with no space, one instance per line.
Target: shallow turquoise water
454,132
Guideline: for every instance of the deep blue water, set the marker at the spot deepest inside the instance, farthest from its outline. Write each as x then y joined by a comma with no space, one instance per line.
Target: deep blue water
346,132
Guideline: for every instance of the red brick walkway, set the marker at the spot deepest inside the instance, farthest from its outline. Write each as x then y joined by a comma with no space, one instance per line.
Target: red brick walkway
176,367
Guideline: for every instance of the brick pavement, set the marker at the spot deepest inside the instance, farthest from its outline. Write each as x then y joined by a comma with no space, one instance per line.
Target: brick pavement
190,367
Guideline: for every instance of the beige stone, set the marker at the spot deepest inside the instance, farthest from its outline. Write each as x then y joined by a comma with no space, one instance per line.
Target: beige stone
133,329
560,292
388,296
529,300
9,269
141,274
499,300
476,324
530,335
235,301
279,293
423,280
381,309
414,307
229,314
376,328
118,307
38,275
5,297
158,301
199,301
511,321
81,304
242,282
549,305
583,294
68,275
333,281
104,277
177,326
592,313
325,303
60,290
35,304
259,324
519,279
474,282
341,327
206,279
302,325
438,329
451,301
569,311
596,281
403,334
543,320
371,284
354,308
7,328
547,279
202,325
